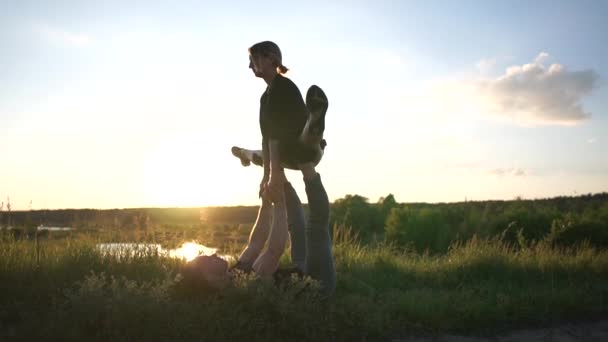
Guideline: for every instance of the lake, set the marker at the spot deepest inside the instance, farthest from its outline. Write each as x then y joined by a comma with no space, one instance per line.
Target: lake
188,250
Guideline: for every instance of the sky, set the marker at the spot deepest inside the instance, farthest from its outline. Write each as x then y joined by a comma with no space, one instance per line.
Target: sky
122,104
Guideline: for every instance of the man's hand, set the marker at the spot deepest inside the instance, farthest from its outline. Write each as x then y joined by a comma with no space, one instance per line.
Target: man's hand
263,185
274,188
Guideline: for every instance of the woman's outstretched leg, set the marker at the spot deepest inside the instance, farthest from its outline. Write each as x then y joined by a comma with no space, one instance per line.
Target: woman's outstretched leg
248,156
257,237
268,262
319,256
260,231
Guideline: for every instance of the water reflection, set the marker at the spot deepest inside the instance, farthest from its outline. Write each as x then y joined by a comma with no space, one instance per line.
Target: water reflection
40,228
188,250
54,229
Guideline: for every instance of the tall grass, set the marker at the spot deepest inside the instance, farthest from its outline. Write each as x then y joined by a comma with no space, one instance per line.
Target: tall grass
64,289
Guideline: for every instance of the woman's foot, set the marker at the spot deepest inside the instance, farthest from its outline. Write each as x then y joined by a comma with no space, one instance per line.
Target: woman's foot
248,156
317,103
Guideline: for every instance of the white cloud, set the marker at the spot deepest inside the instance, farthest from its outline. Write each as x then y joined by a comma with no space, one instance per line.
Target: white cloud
59,36
543,56
480,169
536,94
528,94
485,65
516,172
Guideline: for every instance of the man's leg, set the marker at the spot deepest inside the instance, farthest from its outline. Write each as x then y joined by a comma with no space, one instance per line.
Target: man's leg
257,237
319,256
297,225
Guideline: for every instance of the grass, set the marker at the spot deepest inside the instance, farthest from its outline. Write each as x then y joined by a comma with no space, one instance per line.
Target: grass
64,289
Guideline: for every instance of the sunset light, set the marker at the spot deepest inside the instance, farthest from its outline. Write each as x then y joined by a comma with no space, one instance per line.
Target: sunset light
377,170
139,106
191,250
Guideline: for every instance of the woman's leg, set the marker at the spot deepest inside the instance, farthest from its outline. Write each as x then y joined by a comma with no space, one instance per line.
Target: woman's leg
257,237
297,225
319,257
259,233
255,156
248,156
317,104
268,262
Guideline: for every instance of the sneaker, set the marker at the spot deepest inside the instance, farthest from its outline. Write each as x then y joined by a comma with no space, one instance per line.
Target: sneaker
323,144
284,274
247,156
317,103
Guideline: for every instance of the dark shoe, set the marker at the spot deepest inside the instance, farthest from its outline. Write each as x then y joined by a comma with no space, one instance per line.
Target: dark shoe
282,275
317,103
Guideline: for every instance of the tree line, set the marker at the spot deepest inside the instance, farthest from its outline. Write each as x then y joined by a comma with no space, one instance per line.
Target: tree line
435,227
421,226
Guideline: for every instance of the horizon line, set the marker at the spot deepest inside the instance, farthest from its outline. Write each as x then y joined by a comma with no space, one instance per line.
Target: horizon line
466,200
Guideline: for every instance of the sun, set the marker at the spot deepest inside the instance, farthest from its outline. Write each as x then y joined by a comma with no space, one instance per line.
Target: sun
195,170
179,172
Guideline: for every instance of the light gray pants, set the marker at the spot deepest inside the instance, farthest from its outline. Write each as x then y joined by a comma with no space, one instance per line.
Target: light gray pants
311,245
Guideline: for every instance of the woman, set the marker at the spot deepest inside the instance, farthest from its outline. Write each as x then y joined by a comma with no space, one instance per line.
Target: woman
292,137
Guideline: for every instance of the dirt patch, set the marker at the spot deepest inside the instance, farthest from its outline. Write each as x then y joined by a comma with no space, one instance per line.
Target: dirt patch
596,331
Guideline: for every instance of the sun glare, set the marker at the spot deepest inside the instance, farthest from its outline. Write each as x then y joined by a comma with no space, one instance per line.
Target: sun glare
180,172
191,250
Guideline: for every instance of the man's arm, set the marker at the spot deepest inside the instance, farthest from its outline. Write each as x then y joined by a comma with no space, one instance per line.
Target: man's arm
266,166
277,175
275,159
266,158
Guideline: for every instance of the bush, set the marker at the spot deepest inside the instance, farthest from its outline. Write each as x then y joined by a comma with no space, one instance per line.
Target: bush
423,229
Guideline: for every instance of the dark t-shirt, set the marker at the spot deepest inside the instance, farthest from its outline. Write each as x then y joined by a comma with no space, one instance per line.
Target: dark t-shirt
283,115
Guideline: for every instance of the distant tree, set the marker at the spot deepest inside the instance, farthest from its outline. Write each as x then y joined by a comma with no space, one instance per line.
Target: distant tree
8,211
602,213
396,225
355,212
385,205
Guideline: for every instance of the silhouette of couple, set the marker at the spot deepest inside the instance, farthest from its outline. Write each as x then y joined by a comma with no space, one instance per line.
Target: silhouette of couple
292,137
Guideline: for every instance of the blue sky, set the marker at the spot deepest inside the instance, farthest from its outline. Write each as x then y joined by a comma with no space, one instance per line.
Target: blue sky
137,103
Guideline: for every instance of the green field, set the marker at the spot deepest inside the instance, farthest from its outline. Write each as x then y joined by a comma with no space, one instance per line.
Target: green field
58,286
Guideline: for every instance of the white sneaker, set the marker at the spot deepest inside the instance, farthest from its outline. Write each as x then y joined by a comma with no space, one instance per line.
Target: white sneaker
248,156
